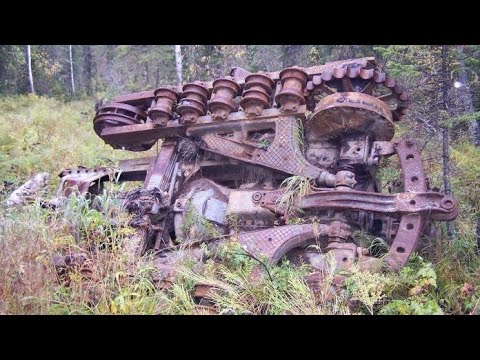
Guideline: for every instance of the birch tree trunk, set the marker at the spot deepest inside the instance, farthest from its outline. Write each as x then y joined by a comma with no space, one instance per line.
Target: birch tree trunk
178,62
71,69
29,66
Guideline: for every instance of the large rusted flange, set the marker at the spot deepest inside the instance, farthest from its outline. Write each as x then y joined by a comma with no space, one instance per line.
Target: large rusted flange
259,79
193,104
163,109
253,102
347,112
117,114
221,103
198,89
190,110
256,94
291,96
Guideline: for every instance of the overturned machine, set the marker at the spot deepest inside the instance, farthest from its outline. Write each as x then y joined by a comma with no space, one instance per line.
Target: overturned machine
227,147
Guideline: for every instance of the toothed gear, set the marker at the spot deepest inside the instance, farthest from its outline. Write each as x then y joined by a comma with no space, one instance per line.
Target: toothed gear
352,77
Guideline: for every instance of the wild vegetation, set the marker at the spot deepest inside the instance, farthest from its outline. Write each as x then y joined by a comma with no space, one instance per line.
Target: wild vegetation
52,130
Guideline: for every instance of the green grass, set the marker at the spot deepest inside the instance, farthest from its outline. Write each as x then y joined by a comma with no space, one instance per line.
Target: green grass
295,187
42,134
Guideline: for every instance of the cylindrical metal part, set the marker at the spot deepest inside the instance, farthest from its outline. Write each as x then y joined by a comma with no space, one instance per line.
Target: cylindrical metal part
117,114
221,103
163,109
193,103
256,94
345,180
291,96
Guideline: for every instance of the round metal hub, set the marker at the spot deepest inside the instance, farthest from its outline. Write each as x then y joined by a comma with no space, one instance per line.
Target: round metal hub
117,114
350,112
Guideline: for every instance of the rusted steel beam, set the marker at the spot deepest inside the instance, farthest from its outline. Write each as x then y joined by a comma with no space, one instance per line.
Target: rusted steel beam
134,169
411,225
282,154
132,165
158,174
146,132
139,133
434,205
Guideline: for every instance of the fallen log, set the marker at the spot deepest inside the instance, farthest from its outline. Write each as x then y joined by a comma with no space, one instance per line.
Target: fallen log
24,193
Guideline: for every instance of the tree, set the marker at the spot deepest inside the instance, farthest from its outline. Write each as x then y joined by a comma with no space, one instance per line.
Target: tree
29,67
446,136
291,55
88,65
71,69
465,97
178,62
426,71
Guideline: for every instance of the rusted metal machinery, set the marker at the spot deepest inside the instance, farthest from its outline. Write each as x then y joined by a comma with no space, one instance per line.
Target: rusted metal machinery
227,146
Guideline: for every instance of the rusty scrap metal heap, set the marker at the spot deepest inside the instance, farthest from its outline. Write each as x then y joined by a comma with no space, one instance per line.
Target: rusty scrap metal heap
227,146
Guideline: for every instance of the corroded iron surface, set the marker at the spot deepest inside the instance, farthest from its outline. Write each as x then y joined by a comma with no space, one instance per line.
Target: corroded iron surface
230,146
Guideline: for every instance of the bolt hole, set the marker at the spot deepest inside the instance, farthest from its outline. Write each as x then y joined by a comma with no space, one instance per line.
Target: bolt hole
410,226
400,250
263,203
270,239
412,202
414,179
345,259
358,149
410,156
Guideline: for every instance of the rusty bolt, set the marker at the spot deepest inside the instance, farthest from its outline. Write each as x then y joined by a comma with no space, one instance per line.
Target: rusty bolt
447,203
256,197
